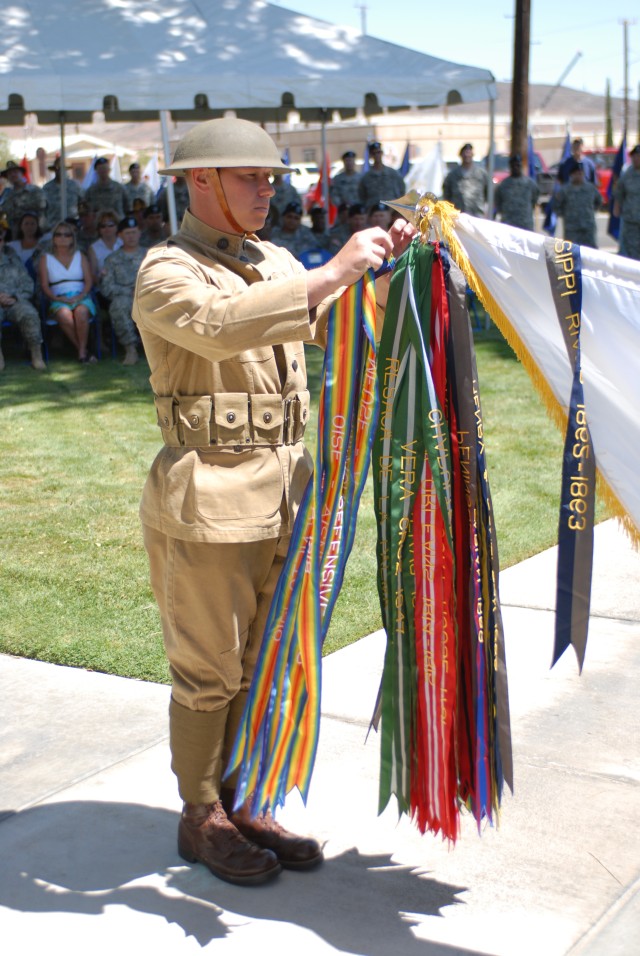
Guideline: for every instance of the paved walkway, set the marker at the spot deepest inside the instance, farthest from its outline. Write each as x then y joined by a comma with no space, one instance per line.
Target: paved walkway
89,812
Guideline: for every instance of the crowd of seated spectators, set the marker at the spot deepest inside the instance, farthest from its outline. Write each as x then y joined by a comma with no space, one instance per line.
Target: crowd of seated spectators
70,271
66,273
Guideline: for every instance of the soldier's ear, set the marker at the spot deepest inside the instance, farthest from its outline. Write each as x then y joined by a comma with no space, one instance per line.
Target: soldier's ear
199,179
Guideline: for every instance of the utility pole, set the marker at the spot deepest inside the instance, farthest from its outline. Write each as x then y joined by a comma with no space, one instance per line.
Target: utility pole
520,84
625,34
362,7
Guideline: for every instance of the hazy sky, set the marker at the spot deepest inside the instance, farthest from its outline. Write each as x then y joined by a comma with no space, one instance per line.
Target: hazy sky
481,34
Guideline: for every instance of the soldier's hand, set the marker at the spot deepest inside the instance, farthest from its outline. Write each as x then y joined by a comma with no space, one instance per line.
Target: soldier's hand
366,249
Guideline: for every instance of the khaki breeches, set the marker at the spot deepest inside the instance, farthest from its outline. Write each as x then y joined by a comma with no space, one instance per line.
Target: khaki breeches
214,599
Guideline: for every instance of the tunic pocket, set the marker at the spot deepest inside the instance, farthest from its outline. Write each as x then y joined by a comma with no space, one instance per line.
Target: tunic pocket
232,487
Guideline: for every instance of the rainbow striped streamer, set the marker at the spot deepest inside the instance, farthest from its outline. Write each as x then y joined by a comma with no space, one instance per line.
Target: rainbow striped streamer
278,736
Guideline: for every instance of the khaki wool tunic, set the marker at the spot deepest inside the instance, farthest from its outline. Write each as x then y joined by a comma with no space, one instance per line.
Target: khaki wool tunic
223,319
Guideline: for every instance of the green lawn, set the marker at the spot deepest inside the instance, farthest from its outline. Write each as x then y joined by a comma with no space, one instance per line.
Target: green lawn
76,446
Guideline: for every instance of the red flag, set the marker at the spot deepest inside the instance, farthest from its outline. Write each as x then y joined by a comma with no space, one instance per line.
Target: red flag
315,197
27,170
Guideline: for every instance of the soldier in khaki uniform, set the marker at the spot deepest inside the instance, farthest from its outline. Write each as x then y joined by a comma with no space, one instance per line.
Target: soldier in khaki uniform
118,284
222,317
16,292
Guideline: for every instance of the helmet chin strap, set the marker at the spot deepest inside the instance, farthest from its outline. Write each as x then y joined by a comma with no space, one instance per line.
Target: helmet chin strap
224,205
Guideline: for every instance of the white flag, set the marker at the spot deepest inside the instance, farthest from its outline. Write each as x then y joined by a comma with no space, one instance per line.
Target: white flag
510,264
91,176
116,173
150,173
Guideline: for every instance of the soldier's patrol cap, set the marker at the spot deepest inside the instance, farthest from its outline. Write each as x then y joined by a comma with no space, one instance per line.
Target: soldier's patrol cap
11,165
139,203
100,161
356,209
317,208
378,207
374,146
129,222
134,166
152,210
574,166
466,146
349,154
293,207
226,143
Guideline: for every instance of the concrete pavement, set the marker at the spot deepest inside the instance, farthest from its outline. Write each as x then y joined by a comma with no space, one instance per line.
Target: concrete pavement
89,811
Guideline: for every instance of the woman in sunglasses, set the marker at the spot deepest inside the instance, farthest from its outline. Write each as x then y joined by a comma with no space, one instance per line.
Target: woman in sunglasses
65,279
109,241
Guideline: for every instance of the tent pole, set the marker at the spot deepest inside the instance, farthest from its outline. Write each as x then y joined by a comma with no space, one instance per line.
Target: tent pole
63,171
323,168
490,164
164,123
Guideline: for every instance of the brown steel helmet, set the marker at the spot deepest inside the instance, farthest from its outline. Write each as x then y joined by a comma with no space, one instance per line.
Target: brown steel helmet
225,143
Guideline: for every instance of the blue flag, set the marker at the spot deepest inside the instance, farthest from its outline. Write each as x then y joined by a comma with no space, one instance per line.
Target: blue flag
531,158
550,219
404,165
285,159
618,164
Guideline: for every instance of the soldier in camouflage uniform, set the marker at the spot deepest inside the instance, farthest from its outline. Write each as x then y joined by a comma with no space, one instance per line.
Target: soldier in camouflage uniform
380,181
154,230
21,197
285,194
344,185
577,202
16,291
181,194
136,188
467,186
52,193
516,196
291,235
105,193
118,285
627,205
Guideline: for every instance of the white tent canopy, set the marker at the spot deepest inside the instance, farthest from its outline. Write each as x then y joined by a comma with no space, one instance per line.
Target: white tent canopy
199,58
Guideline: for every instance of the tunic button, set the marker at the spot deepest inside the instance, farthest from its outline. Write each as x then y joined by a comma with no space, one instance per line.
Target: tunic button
231,417
267,417
294,365
223,243
195,420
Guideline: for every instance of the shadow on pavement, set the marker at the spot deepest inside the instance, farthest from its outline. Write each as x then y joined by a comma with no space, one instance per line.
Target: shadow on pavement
82,857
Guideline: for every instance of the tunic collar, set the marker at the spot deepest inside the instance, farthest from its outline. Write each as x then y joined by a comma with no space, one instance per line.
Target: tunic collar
208,239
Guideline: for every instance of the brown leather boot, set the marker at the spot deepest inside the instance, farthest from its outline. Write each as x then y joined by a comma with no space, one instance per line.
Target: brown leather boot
206,835
293,852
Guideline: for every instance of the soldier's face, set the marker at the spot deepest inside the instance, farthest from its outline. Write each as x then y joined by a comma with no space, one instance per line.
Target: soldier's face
130,238
248,190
